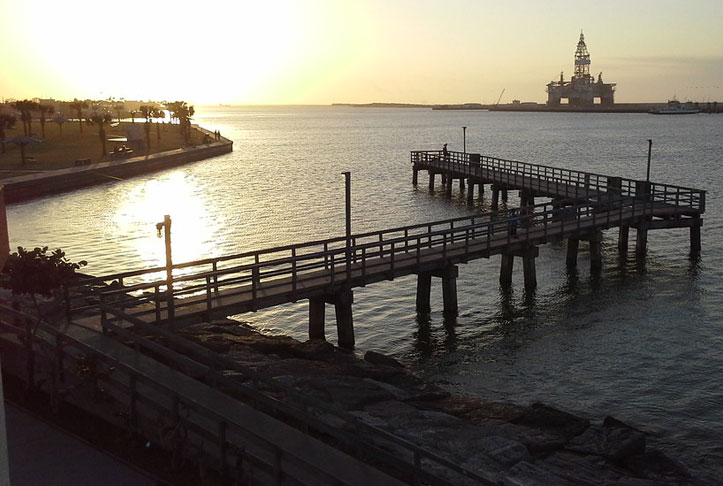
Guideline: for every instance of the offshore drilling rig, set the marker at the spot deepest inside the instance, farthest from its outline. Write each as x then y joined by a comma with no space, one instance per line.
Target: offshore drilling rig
582,89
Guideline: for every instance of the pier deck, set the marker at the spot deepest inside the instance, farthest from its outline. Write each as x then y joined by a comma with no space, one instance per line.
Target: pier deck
327,271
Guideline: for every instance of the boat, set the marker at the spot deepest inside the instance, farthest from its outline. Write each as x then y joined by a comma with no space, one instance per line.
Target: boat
675,107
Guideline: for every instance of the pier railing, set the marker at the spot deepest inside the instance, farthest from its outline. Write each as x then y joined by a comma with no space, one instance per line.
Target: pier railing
58,363
548,179
297,270
416,465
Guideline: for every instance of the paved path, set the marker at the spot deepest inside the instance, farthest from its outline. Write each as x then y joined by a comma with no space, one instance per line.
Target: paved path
42,454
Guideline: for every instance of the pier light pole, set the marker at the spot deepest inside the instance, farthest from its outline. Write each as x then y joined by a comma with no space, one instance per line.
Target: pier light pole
166,226
347,178
650,148
464,139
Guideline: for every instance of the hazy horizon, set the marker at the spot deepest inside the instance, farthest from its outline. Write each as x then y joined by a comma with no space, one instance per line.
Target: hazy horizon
319,52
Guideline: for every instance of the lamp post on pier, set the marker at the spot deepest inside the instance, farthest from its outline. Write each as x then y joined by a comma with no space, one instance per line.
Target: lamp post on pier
166,226
347,180
464,139
650,148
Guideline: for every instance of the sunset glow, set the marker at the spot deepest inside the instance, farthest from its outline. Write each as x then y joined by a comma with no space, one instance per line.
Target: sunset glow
323,51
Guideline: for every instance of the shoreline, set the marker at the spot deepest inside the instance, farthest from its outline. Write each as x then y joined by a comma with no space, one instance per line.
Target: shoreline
24,188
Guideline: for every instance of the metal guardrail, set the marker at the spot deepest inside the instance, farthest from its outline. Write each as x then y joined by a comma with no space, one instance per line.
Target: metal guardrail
542,177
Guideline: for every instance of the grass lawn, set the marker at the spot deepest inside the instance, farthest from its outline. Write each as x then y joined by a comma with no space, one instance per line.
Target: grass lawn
59,151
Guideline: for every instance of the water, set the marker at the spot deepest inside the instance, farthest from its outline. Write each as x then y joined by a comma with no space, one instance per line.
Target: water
641,340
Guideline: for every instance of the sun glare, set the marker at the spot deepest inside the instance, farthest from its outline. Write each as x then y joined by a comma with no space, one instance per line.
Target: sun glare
179,197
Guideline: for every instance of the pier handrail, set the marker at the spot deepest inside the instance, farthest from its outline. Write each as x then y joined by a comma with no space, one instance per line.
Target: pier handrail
40,339
467,163
292,264
356,433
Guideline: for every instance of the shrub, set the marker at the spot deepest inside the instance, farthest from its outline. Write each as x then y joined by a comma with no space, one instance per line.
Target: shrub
37,272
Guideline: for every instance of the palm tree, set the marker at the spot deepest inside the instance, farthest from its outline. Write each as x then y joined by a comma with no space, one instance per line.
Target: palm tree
25,108
118,107
184,113
44,109
147,112
78,106
7,121
101,119
60,120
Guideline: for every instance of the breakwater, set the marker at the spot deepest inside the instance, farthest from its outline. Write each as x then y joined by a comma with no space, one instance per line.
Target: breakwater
31,186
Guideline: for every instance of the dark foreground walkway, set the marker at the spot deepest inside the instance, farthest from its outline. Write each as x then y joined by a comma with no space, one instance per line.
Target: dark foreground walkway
42,454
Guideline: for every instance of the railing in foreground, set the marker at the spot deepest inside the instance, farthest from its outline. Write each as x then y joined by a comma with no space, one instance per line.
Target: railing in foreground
222,442
543,176
415,464
370,252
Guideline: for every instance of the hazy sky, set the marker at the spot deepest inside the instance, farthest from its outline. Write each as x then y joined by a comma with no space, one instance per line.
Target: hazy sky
324,51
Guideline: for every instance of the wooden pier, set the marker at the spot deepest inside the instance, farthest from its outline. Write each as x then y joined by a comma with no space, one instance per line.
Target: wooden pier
579,207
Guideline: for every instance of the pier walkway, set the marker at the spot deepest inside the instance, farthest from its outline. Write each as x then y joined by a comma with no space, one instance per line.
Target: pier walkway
582,205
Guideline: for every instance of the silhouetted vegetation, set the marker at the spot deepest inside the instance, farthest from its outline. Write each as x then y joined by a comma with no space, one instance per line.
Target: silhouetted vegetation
7,122
101,119
26,107
78,106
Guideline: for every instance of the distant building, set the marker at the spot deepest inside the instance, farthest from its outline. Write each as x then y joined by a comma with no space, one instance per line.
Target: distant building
582,89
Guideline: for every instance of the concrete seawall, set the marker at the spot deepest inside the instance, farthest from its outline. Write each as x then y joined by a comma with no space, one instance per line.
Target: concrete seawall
22,188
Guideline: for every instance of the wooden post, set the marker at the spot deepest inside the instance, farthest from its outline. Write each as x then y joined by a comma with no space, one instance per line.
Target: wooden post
344,318
641,238
470,191
623,238
449,185
449,290
528,268
461,183
695,236
431,180
317,315
506,266
415,175
424,287
523,198
504,195
572,246
596,250
495,197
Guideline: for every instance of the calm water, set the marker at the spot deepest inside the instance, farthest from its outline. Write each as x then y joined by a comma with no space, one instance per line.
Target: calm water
642,340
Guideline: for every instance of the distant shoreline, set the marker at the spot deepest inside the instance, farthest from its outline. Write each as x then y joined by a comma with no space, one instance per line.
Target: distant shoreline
712,107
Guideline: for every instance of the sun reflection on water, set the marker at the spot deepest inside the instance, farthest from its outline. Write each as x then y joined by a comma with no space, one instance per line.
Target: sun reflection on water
179,195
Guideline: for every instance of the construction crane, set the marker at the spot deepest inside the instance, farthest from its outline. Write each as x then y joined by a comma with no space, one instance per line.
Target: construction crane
498,99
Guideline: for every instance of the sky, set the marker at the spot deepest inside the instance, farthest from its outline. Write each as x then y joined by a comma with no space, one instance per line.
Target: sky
355,51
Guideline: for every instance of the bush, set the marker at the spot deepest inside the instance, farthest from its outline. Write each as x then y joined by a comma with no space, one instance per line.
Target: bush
36,272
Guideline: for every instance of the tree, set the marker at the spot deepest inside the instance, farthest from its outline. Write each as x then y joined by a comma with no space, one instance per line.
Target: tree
78,106
26,107
101,119
44,110
147,112
183,112
118,107
7,121
35,272
60,120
